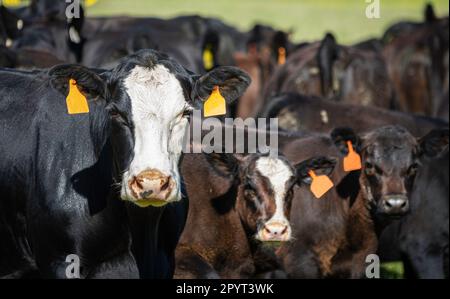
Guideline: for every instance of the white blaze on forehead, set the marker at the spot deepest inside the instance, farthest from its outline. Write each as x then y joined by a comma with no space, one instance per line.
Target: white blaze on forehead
157,103
278,173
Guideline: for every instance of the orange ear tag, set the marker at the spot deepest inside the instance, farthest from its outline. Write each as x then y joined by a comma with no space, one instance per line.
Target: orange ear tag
76,101
320,184
281,56
353,160
216,104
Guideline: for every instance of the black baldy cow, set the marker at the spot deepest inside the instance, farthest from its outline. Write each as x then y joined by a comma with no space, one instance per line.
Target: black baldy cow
58,171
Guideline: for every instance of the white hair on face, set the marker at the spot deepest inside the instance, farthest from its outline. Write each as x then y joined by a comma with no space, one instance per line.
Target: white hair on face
157,105
278,173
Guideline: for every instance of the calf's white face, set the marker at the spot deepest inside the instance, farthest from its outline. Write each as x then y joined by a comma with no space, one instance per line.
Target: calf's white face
279,175
158,114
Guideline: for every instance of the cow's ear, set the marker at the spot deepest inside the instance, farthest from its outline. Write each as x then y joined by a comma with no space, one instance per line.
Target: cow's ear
341,136
91,84
232,83
434,143
12,23
429,14
225,164
210,50
320,166
280,40
326,56
75,26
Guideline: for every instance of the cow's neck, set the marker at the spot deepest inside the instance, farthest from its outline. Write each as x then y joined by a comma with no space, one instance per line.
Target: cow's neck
144,225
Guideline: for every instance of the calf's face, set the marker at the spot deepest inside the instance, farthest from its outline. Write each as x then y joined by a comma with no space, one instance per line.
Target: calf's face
391,157
391,161
264,193
265,198
148,100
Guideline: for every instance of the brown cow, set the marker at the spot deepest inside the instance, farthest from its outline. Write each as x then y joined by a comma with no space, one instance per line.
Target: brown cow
329,70
417,59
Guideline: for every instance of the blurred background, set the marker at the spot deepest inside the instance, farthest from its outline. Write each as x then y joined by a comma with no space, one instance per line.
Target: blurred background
306,19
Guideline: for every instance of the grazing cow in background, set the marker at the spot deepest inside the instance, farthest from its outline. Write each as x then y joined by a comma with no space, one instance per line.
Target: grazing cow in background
417,59
334,235
302,113
328,70
63,176
236,202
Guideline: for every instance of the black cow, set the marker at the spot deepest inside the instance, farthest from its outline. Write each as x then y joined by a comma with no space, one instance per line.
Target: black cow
26,59
185,38
420,240
47,28
329,70
334,235
417,59
62,176
11,26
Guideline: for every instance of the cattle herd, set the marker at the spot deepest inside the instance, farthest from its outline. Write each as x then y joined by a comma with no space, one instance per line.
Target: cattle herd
113,187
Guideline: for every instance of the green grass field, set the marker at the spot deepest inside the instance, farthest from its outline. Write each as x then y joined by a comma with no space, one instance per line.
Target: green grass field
309,19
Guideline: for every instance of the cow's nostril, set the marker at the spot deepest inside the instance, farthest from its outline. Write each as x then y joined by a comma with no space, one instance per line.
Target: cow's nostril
284,230
267,230
165,184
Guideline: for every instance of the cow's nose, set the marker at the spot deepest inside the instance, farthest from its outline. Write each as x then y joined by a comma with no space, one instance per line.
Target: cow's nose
396,205
151,185
275,231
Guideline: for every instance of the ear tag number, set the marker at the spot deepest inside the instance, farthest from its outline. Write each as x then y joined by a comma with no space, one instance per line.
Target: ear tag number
208,59
216,104
76,101
320,184
281,56
353,160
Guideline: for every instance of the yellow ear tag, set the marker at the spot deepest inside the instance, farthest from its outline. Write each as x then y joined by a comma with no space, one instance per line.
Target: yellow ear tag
281,56
353,161
76,101
215,105
208,59
320,184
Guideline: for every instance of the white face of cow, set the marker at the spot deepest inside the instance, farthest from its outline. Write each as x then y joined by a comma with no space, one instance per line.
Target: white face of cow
279,175
158,109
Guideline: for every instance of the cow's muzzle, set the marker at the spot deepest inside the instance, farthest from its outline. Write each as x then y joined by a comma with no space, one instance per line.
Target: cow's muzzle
275,232
152,188
394,205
